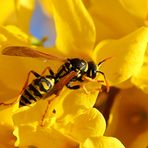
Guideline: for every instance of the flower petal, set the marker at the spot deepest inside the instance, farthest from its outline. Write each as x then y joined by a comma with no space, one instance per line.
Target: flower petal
137,8
7,126
74,27
74,103
13,35
129,115
47,6
17,12
7,7
140,141
102,142
127,55
24,10
89,124
7,137
33,114
140,79
42,137
110,19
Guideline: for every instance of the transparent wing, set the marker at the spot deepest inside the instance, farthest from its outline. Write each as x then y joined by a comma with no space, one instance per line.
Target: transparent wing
28,52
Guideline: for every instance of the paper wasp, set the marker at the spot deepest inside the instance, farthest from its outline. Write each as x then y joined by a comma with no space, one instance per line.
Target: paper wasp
85,70
73,70
42,85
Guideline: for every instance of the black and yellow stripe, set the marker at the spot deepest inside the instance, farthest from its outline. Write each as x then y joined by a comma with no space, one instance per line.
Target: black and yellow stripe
36,90
44,84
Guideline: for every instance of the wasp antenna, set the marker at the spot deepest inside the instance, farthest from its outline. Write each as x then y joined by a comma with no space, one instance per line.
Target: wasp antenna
104,60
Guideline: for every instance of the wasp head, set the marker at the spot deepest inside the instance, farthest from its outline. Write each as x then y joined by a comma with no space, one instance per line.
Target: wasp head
92,70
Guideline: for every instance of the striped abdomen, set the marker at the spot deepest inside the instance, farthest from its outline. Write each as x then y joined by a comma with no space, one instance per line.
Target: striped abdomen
36,90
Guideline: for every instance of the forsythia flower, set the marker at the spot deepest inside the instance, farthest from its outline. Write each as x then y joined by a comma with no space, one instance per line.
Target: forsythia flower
65,127
71,120
129,118
128,51
16,12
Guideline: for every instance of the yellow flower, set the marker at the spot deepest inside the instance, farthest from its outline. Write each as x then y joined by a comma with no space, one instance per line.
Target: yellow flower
14,70
7,127
114,19
76,37
127,52
140,78
111,22
66,129
128,55
17,12
129,117
102,142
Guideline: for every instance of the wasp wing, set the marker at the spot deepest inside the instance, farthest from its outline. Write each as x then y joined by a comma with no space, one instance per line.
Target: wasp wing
29,52
62,82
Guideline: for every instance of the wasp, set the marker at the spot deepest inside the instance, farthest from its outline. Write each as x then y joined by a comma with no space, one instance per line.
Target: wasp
85,70
41,87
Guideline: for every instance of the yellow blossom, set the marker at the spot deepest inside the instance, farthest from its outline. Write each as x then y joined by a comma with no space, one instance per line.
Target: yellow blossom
102,142
7,127
114,19
140,78
12,77
129,116
59,130
17,12
127,52
127,55
77,36
111,22
67,115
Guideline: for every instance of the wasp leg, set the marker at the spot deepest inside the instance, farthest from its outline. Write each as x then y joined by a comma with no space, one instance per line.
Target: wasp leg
93,80
27,80
7,104
85,90
24,87
77,87
42,123
91,91
84,78
68,85
106,82
90,79
50,71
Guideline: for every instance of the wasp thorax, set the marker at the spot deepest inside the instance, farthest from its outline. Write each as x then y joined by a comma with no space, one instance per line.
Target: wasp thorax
79,64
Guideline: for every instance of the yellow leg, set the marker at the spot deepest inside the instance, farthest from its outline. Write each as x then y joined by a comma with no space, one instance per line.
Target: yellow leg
91,91
24,87
49,69
106,82
93,80
27,80
7,104
46,110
